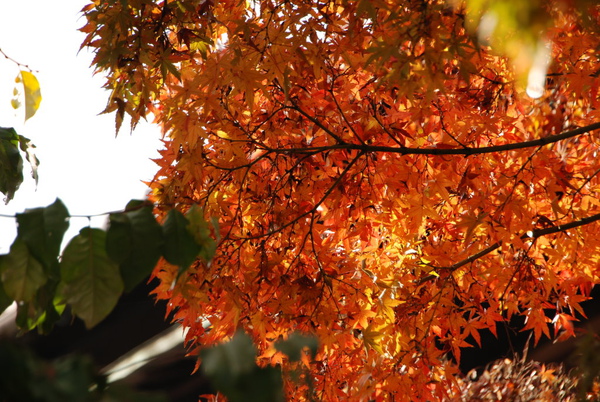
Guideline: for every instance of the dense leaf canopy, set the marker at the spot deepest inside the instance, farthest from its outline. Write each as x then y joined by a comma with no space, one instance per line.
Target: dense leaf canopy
380,178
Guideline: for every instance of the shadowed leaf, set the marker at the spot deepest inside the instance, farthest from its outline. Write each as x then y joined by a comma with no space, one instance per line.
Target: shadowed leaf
21,273
134,240
92,282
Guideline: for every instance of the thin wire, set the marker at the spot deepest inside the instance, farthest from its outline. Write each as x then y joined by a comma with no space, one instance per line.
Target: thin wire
90,216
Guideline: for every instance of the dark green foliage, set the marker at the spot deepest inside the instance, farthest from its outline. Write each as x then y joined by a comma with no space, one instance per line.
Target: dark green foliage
232,370
96,266
11,161
134,240
180,246
24,377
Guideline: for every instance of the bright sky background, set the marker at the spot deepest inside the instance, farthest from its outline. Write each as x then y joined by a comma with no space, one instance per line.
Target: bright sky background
81,161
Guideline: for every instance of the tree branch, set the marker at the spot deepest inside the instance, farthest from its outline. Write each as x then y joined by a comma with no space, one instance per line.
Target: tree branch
532,234
437,151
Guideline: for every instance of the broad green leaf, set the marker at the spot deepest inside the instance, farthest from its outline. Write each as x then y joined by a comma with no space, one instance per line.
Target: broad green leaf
42,230
33,95
180,246
118,240
11,163
232,369
21,273
295,344
134,205
198,227
92,282
134,240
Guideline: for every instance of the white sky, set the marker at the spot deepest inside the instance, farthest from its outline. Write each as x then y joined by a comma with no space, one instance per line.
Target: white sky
81,162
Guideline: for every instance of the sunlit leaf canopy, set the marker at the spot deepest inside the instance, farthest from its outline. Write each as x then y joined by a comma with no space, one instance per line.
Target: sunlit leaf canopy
380,178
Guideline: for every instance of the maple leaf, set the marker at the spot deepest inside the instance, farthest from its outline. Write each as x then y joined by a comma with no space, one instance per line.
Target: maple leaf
371,339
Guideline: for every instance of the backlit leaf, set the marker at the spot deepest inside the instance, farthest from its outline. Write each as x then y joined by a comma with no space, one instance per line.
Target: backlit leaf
33,95
371,338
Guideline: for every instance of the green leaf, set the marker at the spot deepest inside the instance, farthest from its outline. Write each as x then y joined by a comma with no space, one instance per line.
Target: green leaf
198,227
33,95
92,282
42,229
201,46
118,240
232,369
21,273
295,344
134,240
134,205
180,246
11,163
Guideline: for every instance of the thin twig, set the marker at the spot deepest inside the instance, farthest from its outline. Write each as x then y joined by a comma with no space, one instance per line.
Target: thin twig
17,63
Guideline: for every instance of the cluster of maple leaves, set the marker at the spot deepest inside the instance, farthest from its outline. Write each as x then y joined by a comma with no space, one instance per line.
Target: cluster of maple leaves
380,179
